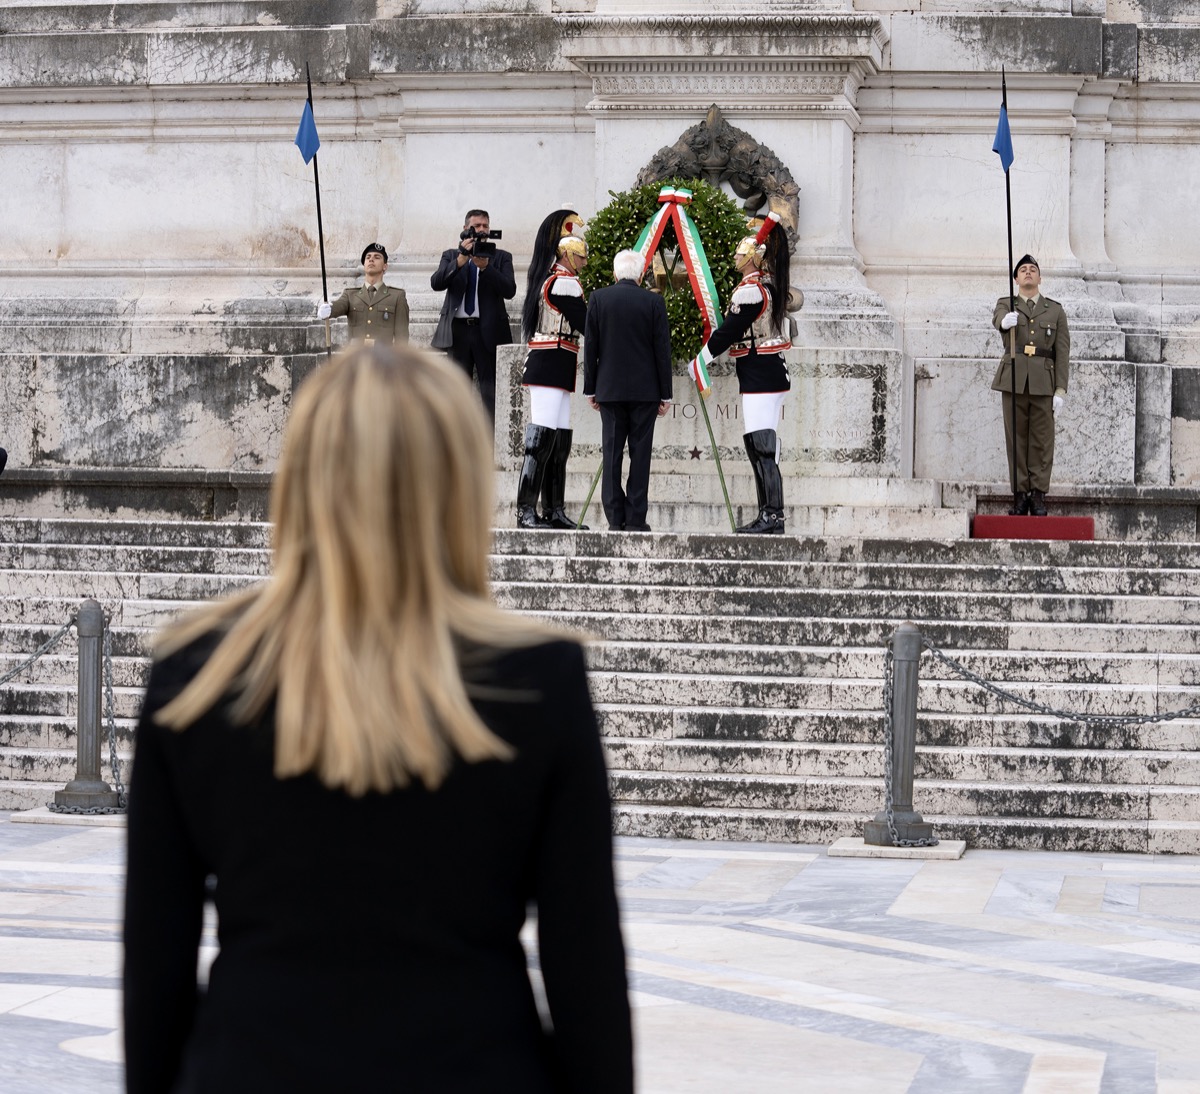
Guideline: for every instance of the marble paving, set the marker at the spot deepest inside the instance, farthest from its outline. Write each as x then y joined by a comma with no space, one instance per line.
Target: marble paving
755,968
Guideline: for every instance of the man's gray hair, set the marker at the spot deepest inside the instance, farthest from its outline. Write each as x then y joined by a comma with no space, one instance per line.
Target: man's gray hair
628,264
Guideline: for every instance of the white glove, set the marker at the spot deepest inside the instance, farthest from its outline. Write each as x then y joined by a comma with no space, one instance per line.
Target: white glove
324,309
1058,403
694,370
1009,321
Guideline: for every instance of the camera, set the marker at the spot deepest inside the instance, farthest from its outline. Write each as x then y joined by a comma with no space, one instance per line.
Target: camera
483,245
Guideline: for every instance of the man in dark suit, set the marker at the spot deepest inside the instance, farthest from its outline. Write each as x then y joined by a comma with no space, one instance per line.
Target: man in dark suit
477,278
627,377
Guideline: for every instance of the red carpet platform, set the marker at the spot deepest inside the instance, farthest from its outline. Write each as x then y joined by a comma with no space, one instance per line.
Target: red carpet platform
998,526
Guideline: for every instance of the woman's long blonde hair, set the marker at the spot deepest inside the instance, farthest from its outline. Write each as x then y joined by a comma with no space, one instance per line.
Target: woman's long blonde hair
382,509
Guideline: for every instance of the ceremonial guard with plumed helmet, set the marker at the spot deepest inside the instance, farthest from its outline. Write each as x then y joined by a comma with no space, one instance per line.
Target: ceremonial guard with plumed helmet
757,334
552,325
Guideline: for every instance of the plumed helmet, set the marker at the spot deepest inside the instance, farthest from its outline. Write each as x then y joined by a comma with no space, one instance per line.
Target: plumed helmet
757,243
573,245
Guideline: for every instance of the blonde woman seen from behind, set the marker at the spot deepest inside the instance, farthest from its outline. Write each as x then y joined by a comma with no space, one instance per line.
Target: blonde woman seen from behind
374,770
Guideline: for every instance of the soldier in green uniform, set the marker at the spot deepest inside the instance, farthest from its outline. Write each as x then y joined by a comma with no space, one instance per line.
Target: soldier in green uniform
376,312
1043,351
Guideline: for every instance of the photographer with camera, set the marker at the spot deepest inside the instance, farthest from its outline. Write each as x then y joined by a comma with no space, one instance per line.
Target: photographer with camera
477,277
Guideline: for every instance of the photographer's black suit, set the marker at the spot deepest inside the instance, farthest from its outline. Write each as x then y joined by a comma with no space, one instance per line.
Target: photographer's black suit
472,343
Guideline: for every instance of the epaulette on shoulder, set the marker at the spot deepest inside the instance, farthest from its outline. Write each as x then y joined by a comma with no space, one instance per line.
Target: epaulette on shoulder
566,286
748,294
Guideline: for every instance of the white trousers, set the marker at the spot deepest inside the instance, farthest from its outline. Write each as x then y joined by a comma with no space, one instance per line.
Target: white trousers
550,406
762,412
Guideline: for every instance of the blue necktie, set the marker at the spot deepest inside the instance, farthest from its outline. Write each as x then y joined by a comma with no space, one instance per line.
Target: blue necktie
472,273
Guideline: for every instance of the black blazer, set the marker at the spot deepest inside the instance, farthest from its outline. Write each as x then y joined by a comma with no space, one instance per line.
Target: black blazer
627,346
372,943
496,284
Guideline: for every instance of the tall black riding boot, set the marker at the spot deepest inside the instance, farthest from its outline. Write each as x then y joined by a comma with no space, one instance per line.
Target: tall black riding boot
766,472
554,486
539,443
756,467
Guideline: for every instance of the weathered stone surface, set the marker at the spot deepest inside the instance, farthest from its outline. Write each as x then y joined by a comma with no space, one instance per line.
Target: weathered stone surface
982,43
475,43
153,411
1095,433
250,56
1169,54
41,18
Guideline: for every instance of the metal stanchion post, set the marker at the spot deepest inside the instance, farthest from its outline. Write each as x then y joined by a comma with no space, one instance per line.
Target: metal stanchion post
899,822
87,791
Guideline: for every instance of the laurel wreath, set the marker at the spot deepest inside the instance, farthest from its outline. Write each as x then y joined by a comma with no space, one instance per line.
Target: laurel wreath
718,219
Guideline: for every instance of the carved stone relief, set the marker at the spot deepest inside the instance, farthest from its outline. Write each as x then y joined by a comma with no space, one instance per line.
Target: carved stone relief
715,151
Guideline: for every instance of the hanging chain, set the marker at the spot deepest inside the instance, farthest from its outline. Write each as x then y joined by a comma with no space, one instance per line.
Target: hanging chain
1067,715
44,648
110,717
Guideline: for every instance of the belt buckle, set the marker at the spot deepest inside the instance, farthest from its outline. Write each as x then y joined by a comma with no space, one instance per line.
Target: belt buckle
1031,351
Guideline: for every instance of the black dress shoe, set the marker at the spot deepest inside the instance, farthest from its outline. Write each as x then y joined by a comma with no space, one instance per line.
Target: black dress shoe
637,528
1020,504
1037,503
616,527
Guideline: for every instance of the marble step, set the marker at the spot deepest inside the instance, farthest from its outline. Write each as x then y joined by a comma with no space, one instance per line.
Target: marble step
789,548
131,598
45,614
36,731
704,487
131,662
135,558
856,663
22,794
134,644
826,575
59,700
857,603
54,765
831,693
133,572
799,519
936,763
954,729
959,798
62,669
660,693
1023,833
20,639
202,534
108,586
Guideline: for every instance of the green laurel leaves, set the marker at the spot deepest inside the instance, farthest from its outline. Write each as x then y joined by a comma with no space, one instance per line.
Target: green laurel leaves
721,225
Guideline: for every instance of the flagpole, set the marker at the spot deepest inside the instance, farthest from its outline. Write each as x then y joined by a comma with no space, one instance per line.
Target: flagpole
1012,303
320,227
588,500
717,458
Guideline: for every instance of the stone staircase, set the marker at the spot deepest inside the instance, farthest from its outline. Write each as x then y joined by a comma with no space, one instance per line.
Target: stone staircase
738,680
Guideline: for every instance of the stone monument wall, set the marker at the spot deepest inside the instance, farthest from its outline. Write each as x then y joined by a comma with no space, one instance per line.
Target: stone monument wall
159,260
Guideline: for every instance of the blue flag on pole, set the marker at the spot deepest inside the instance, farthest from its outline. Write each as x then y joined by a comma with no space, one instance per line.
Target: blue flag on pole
1002,145
308,142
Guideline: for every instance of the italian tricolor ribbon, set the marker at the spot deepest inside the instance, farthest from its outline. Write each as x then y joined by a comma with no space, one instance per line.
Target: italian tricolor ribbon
674,203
